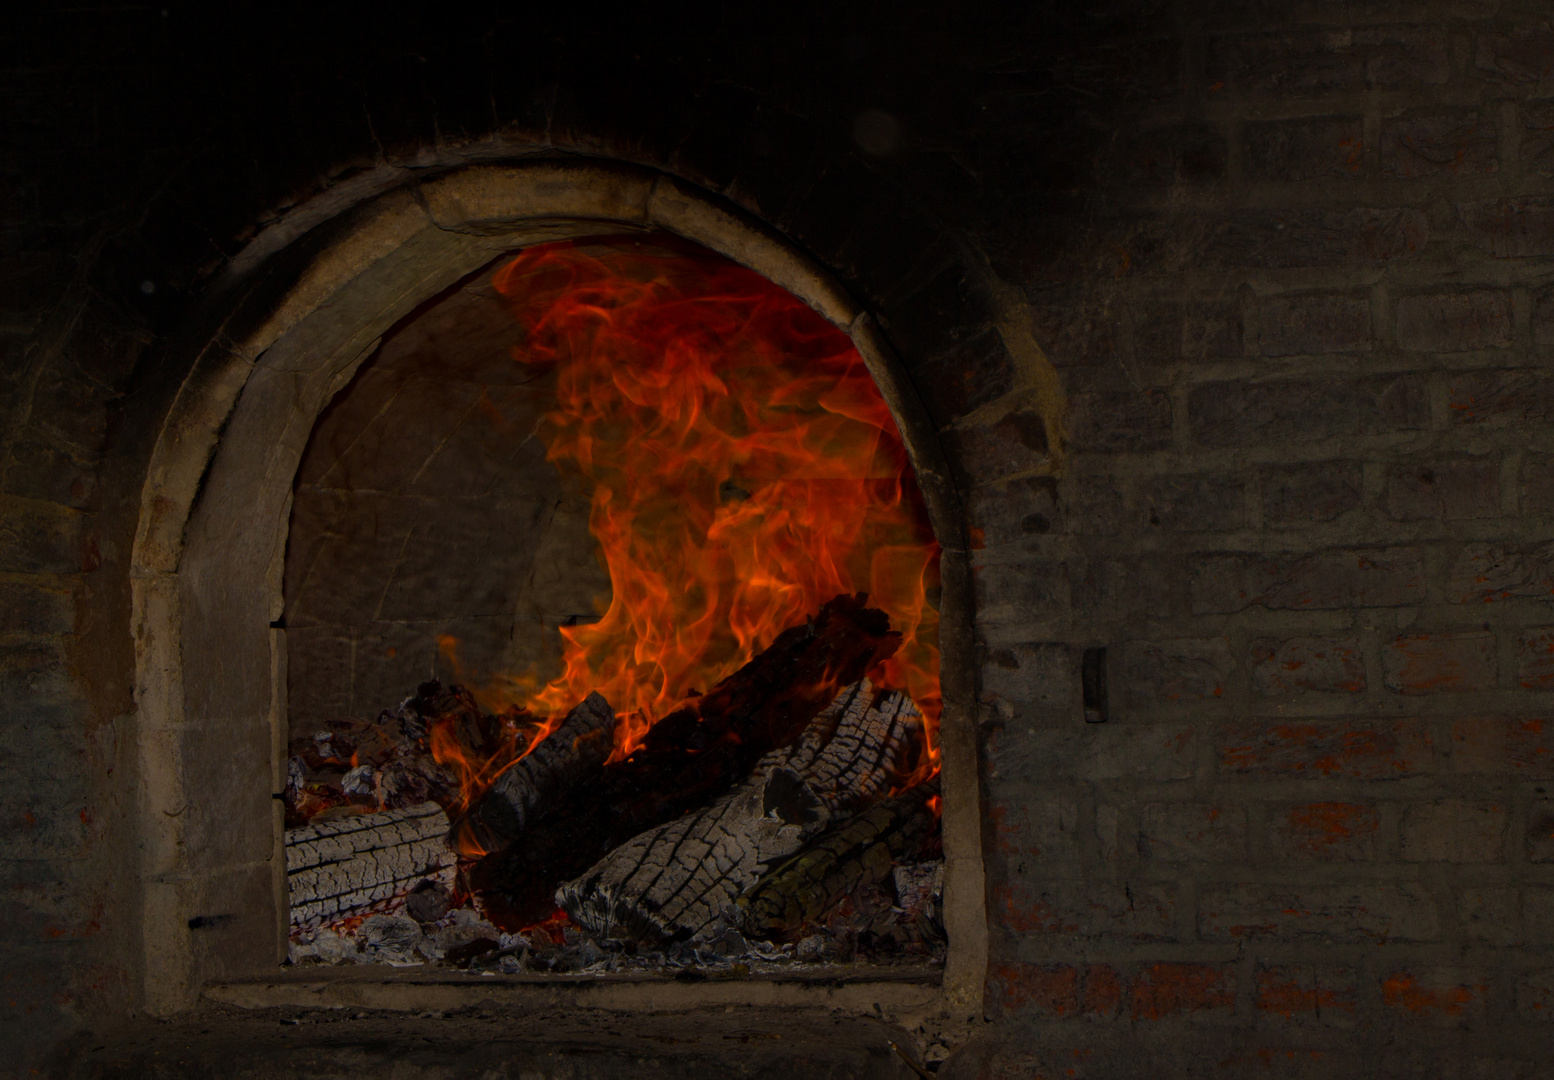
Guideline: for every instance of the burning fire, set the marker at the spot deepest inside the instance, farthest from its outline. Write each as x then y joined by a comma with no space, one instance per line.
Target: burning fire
744,469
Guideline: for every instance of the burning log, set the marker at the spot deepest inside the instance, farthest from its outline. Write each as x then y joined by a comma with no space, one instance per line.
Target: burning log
860,851
672,881
569,757
689,759
336,867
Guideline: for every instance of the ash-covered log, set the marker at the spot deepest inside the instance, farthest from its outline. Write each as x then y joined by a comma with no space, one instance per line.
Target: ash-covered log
565,761
673,881
336,867
689,759
860,851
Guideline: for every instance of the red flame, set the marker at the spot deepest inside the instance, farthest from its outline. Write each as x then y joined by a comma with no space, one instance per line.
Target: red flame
744,467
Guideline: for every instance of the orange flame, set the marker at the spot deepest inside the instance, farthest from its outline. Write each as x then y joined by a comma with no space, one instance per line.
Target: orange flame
744,467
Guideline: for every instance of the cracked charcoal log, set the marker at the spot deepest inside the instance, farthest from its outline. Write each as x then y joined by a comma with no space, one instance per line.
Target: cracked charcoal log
672,881
334,868
568,758
690,758
859,851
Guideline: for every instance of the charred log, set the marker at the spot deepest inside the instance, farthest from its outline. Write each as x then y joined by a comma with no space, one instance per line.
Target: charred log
860,851
689,759
336,867
567,759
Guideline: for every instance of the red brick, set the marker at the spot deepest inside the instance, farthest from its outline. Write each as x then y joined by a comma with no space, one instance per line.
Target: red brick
1439,144
1358,749
1192,832
1508,397
1304,992
1315,326
1441,996
1540,832
1486,573
1137,911
1056,991
1535,659
1454,831
1334,831
1447,491
1028,829
1299,665
1535,995
1454,322
1337,913
1511,228
1521,747
1439,663
1324,580
1328,147
1187,669
1162,990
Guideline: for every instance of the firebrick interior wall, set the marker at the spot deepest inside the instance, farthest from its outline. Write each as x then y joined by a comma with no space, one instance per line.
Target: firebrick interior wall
1235,319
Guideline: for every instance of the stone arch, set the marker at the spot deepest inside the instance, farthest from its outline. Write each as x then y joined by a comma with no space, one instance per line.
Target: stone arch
285,333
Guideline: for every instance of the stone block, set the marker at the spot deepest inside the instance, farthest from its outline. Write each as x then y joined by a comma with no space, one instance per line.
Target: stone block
1184,669
1111,751
1204,991
1315,326
1323,580
40,470
1454,831
1020,592
1511,228
1195,503
1275,239
1307,665
970,375
1535,659
1487,573
1115,422
1192,833
1167,332
1535,995
1139,911
1540,832
1319,148
1056,991
1320,491
1330,831
1454,322
1522,747
1439,144
319,675
1537,149
1445,491
1232,414
1038,675
1384,57
1444,997
37,537
1015,443
1522,59
1308,992
1340,914
1027,827
1355,749
1439,663
35,672
1015,512
1501,398
35,609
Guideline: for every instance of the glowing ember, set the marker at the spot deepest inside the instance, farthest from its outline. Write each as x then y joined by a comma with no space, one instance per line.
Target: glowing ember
744,469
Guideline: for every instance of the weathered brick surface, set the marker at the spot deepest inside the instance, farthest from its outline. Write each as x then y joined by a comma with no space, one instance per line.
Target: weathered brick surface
1195,503
1154,672
1334,831
1519,747
1453,830
1524,58
1454,322
1535,659
1289,150
1439,143
1537,146
1446,491
1040,675
1192,833
1486,573
1013,444
1120,421
1306,992
1440,996
1025,827
1320,581
1501,398
1162,990
1111,751
1020,592
1057,991
1301,494
1543,317
1321,665
1167,332
1179,153
1291,238
1360,749
1139,911
1303,410
1535,995
1385,57
1439,663
1490,915
1314,325
1540,832
1511,228
1353,914
1015,512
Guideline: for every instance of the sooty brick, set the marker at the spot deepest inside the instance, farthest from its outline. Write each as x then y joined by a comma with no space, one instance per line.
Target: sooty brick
1307,665
1292,238
1346,914
1319,491
1511,228
1192,833
1308,992
1329,831
1535,659
1354,59
1323,580
1185,669
1537,149
1454,322
1520,747
1525,58
1439,144
1488,573
1454,831
1441,997
1110,751
1355,749
1445,491
1439,663
1315,326
1167,332
1120,421
1323,148
1139,911
1039,675
1194,503
1232,414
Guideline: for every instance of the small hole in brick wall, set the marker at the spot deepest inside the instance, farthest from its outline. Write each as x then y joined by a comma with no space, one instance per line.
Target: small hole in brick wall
1092,677
611,633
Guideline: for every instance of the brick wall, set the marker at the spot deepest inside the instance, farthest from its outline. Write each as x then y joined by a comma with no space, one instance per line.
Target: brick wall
1289,260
